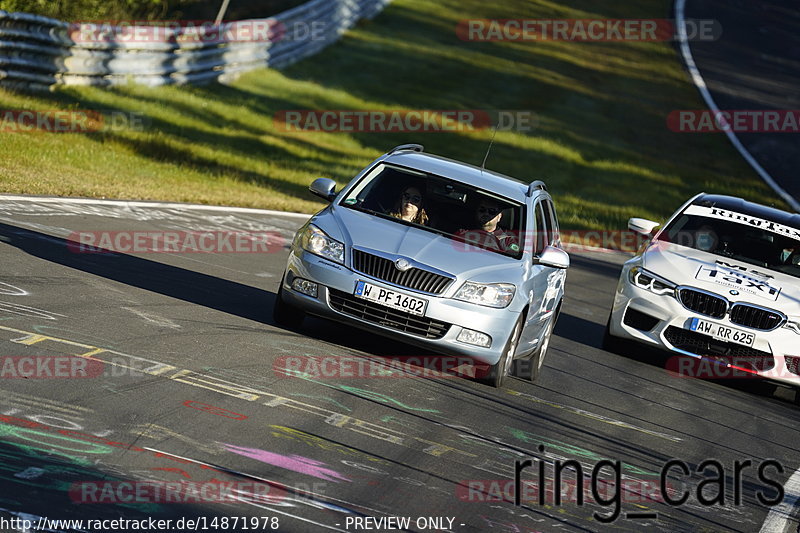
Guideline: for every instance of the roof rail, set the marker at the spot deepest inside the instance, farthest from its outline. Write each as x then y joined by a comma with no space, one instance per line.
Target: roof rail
537,185
413,147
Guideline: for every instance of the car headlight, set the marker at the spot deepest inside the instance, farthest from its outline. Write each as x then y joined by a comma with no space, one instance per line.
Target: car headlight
647,280
317,242
488,294
793,325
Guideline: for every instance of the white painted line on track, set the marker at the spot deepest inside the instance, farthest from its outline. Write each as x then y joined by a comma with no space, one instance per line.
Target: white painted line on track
700,83
779,519
165,205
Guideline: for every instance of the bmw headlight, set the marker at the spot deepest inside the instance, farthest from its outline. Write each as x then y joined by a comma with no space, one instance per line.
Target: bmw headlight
317,242
488,294
647,280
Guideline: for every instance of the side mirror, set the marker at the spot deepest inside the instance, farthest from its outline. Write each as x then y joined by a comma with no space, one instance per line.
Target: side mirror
642,225
554,257
325,188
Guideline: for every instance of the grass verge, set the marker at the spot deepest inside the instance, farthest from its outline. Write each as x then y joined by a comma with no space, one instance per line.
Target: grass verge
600,142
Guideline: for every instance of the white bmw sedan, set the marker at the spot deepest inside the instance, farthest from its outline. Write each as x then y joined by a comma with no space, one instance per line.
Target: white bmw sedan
718,286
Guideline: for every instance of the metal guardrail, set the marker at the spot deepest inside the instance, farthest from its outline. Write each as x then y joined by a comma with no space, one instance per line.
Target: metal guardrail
37,52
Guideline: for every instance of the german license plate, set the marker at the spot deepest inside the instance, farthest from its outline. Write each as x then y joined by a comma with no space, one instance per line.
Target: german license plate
389,298
721,332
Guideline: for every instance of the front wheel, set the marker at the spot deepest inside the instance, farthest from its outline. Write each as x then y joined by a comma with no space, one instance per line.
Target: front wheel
615,345
285,314
498,371
536,361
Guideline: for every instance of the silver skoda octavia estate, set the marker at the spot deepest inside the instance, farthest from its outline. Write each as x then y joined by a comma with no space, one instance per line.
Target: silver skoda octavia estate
437,253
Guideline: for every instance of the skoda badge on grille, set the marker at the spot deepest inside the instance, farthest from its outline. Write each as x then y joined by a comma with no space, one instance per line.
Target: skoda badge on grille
402,265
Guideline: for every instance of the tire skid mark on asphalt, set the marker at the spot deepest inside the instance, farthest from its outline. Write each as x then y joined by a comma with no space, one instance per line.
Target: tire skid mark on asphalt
243,496
242,392
18,398
362,393
593,416
319,397
153,318
250,394
303,497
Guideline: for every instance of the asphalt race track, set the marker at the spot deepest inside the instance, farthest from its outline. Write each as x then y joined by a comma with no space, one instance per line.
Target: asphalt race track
187,382
755,65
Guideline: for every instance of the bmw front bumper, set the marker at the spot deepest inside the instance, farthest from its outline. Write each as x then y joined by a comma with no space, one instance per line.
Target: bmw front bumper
774,355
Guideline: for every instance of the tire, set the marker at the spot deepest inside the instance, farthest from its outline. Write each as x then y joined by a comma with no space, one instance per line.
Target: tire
498,372
611,343
285,314
536,361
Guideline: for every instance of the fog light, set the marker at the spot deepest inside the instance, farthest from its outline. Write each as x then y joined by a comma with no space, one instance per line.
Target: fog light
309,288
470,336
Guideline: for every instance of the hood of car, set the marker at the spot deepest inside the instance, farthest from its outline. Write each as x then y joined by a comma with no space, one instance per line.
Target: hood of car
734,280
423,249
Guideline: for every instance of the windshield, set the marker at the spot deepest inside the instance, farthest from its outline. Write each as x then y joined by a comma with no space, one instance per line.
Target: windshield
759,242
463,213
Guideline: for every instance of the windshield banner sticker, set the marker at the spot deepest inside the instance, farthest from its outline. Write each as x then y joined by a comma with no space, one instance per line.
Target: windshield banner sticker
747,220
740,281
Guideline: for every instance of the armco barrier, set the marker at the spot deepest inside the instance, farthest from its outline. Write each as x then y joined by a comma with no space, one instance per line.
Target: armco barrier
38,52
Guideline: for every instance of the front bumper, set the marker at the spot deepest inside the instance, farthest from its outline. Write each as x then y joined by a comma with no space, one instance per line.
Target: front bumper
447,317
770,356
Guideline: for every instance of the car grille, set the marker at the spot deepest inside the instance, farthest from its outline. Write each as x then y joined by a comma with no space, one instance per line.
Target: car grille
703,302
727,352
755,317
399,320
413,278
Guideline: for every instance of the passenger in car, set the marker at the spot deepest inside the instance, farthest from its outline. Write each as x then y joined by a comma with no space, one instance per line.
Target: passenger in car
489,234
789,256
705,239
410,207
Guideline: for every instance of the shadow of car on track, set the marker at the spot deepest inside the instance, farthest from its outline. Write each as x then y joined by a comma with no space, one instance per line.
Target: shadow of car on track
46,476
591,334
223,295
194,287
